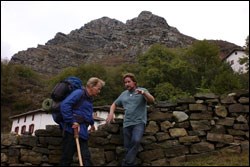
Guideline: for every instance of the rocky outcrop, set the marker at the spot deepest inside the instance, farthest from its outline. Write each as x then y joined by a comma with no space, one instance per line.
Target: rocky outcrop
104,41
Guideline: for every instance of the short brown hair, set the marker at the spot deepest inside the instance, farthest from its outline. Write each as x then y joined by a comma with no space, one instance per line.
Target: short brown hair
130,75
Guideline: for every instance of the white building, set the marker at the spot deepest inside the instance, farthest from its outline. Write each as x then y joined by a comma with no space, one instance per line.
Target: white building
102,112
233,59
30,121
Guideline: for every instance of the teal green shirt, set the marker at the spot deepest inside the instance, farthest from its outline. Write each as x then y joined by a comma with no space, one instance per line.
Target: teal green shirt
135,106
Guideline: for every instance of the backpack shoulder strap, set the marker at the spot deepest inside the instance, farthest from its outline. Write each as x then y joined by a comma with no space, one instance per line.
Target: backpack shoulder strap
81,100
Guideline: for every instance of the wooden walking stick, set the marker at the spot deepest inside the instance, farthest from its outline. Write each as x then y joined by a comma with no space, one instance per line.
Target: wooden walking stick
78,146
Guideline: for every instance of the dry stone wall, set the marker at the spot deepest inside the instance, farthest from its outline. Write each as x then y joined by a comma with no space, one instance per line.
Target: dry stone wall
176,132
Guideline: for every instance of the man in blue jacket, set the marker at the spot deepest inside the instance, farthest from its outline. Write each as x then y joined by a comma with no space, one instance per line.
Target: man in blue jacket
80,118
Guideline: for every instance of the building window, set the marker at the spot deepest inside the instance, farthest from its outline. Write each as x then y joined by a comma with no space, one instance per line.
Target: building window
23,129
25,118
235,53
31,128
231,62
18,120
16,129
33,117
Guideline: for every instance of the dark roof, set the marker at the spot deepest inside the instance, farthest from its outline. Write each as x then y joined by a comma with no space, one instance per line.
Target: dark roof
225,48
96,118
232,51
28,113
102,108
107,108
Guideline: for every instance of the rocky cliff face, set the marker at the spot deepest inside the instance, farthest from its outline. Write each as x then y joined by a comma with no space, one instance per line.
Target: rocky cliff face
104,41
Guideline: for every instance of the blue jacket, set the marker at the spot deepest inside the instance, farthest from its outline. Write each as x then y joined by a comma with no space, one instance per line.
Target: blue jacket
84,111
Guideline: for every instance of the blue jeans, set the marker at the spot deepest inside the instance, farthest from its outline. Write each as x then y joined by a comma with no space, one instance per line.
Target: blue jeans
69,149
132,139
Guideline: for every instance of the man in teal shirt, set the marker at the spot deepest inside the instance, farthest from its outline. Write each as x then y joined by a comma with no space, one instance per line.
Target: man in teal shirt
134,100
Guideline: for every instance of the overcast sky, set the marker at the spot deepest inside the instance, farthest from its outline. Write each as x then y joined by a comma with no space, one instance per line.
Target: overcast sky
26,24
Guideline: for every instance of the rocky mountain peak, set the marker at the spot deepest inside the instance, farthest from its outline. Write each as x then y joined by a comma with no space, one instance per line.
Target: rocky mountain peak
105,41
148,19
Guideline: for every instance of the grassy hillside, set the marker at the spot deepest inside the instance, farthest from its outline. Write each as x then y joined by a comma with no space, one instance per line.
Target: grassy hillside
22,90
223,159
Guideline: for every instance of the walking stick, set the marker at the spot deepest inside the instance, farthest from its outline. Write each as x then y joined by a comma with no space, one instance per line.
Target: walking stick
78,146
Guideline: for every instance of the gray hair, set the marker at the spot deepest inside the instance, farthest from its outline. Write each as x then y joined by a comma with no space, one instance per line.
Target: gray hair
93,81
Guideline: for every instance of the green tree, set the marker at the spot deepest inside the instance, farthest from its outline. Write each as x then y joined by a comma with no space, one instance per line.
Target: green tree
21,91
226,80
183,75
245,60
203,56
166,91
154,66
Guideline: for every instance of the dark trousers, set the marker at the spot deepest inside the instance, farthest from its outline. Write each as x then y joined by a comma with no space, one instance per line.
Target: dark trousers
69,149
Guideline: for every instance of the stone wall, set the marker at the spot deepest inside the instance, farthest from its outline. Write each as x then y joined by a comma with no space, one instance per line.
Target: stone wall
176,132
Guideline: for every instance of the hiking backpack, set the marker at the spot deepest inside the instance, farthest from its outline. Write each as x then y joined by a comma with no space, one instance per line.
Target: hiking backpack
60,92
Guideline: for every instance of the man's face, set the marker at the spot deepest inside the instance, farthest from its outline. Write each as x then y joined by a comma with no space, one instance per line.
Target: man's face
129,84
96,89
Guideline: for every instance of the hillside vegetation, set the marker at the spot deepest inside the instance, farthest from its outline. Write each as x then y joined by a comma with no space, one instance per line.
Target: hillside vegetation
167,73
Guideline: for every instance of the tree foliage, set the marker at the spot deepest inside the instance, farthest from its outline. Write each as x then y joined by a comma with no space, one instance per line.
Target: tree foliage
203,56
166,91
191,70
245,60
167,73
20,89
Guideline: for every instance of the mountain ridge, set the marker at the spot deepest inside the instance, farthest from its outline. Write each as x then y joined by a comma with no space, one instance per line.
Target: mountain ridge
104,41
